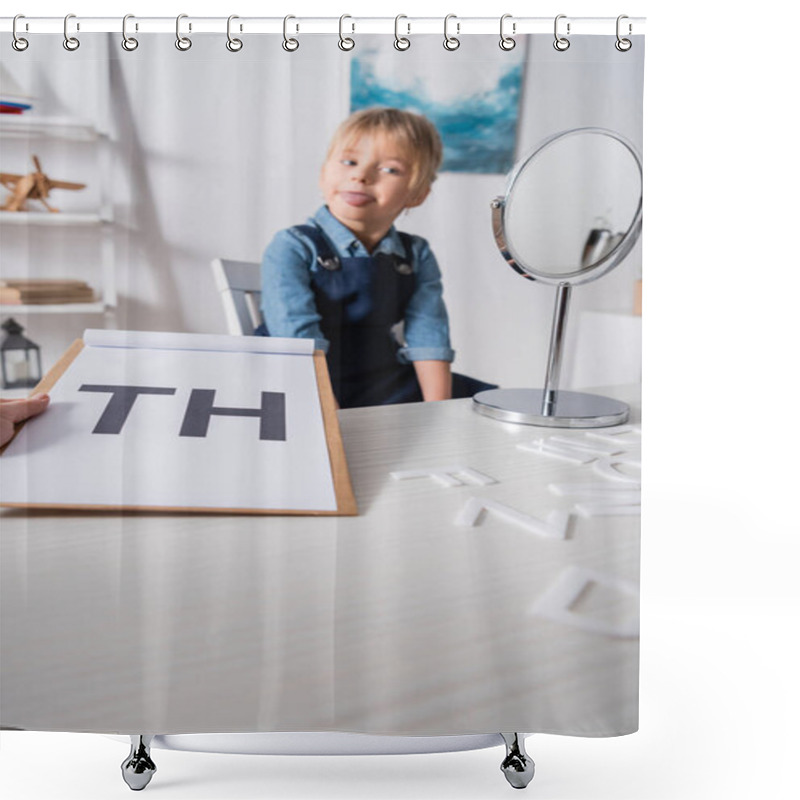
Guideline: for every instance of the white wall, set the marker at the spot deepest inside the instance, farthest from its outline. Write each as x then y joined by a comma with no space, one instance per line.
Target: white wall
214,152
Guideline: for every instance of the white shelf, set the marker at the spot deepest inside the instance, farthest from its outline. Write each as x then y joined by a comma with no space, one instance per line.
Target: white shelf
89,138
50,219
28,125
98,307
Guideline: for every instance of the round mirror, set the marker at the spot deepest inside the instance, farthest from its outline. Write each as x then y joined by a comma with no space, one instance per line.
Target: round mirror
573,207
572,212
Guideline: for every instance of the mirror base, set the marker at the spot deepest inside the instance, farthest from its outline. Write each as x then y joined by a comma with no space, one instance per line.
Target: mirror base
569,409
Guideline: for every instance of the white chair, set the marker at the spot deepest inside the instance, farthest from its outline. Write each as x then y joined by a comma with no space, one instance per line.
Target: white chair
239,285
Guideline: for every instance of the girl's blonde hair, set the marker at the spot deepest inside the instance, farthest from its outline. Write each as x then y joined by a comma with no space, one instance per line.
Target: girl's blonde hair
415,134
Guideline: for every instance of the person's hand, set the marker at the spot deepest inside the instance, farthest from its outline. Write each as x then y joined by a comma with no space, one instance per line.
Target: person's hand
13,411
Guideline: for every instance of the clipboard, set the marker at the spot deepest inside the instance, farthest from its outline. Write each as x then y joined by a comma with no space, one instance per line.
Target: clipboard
304,473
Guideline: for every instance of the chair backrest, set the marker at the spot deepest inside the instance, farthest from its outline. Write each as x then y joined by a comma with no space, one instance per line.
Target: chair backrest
239,285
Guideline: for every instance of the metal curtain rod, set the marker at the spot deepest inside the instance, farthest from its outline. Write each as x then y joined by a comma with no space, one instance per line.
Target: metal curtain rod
462,26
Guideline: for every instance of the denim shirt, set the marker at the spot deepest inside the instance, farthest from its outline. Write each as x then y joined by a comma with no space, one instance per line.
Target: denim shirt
287,299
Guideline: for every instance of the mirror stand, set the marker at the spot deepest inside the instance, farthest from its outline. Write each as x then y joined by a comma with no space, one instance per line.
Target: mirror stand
551,407
553,196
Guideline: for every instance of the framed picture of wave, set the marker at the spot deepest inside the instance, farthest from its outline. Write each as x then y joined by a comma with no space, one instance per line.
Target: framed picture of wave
473,101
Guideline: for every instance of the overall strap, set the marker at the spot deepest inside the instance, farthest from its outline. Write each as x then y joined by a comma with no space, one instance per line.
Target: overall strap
407,239
326,254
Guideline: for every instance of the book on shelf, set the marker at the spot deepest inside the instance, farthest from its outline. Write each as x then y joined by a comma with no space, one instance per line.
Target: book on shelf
14,105
13,97
44,291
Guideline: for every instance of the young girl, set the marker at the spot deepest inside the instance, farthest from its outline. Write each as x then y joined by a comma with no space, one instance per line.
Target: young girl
348,277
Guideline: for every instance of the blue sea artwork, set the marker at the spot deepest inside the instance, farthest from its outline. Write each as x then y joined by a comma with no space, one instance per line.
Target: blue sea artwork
474,105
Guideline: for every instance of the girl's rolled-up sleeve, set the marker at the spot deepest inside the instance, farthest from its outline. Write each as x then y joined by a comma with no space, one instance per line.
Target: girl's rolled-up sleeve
426,329
287,300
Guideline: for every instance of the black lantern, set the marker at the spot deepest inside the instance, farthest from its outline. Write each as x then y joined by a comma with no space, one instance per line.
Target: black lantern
20,370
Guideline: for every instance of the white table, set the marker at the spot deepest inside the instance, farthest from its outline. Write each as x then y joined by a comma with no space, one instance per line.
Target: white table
397,621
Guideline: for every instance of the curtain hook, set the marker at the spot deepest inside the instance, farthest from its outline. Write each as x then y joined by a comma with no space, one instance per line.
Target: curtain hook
506,42
345,42
71,43
183,43
401,42
623,45
451,42
289,45
128,42
18,43
234,45
561,43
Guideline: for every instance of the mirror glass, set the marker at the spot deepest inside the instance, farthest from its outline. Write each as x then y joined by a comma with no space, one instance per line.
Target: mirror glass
570,204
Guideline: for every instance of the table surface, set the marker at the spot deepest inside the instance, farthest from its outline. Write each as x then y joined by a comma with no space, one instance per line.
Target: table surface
403,620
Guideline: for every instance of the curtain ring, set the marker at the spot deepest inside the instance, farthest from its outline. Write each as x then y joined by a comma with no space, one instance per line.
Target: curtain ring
128,42
183,43
401,42
623,45
345,42
71,43
289,45
18,43
561,43
234,45
451,42
506,42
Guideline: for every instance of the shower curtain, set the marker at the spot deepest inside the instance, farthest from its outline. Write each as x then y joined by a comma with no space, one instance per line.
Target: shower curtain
417,616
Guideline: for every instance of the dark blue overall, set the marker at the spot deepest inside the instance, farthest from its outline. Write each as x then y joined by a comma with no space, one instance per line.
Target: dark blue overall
359,301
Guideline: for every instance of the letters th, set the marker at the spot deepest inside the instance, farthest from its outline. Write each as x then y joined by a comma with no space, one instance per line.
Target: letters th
271,412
